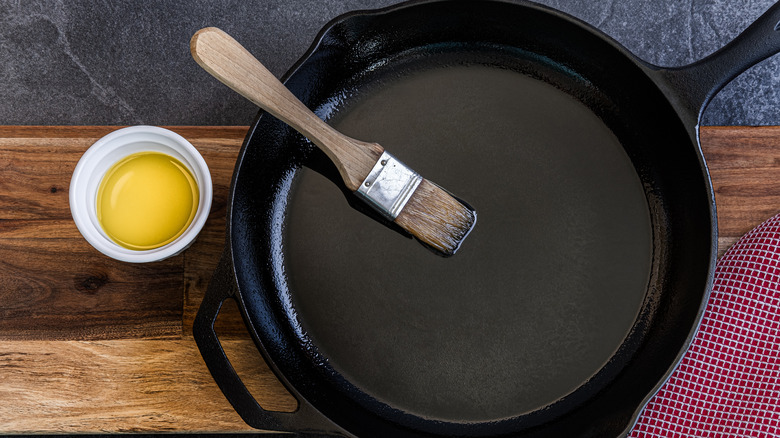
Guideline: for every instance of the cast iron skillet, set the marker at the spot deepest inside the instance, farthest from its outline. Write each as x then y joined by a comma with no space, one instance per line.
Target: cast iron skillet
584,280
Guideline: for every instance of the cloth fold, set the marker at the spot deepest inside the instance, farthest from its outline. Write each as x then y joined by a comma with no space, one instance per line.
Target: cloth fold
728,383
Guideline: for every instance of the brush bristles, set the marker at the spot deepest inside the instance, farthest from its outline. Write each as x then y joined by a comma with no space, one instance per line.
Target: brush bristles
436,218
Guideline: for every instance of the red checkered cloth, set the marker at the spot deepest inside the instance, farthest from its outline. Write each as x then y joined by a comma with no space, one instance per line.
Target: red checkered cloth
728,383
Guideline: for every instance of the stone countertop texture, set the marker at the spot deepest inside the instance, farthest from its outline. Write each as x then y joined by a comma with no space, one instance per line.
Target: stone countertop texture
125,62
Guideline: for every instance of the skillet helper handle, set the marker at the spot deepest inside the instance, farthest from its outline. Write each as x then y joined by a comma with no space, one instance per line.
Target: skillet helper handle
227,60
701,80
306,421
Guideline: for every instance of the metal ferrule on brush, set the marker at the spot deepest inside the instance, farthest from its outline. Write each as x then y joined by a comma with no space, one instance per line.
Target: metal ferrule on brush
389,186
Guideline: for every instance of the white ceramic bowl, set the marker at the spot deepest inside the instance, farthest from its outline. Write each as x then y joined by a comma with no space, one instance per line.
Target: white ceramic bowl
112,148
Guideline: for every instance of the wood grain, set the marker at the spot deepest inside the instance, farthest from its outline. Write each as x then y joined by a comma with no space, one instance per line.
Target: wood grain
54,284
744,166
122,386
88,344
95,345
59,288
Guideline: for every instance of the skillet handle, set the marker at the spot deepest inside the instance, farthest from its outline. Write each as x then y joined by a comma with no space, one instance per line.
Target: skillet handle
305,422
696,84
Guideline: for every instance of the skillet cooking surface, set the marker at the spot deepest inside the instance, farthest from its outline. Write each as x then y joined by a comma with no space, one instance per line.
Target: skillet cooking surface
543,291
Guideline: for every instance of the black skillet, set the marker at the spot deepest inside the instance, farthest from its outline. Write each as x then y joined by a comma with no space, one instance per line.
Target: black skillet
581,285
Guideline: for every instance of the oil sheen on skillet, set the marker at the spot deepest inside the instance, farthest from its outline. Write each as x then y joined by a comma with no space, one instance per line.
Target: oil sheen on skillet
541,294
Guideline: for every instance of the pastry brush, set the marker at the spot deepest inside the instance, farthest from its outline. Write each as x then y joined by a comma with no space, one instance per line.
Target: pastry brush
400,194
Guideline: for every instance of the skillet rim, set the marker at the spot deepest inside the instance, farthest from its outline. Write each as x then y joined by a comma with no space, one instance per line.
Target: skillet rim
313,49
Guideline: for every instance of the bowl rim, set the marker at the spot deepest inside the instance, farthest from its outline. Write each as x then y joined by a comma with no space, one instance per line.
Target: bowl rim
115,146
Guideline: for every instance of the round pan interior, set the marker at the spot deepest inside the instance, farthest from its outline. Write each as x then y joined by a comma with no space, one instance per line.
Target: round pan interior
581,281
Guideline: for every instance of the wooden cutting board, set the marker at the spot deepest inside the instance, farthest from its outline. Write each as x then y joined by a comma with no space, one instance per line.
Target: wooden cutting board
89,344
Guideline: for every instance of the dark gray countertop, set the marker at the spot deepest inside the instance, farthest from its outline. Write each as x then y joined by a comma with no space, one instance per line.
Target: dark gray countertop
128,62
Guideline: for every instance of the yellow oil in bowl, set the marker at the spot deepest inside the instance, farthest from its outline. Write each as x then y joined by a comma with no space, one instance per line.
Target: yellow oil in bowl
146,200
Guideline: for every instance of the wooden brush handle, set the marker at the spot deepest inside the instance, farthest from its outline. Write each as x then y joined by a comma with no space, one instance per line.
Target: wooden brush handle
227,60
